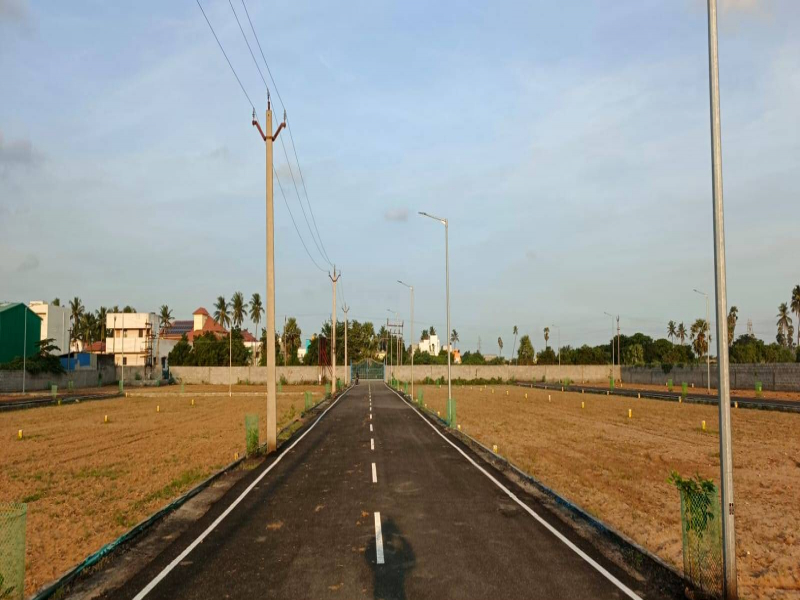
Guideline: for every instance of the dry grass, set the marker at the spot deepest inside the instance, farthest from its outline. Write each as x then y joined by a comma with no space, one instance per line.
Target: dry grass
617,468
87,482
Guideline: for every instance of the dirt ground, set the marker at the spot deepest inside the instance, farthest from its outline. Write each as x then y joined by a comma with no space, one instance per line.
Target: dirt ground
87,482
676,387
616,468
106,389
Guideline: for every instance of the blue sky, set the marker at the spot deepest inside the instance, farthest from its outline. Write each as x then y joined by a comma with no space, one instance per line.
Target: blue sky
568,144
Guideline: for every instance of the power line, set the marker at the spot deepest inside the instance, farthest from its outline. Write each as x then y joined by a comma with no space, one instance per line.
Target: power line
255,62
225,55
295,225
291,137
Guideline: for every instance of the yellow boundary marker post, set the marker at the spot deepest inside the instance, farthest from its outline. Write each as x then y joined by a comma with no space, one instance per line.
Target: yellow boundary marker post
158,408
548,397
19,434
583,405
704,425
630,413
494,448
105,419
736,405
192,401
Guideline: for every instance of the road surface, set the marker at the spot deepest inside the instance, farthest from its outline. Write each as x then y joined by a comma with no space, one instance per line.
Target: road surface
373,501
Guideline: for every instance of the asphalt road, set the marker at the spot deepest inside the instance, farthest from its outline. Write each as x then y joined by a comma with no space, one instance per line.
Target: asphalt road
374,502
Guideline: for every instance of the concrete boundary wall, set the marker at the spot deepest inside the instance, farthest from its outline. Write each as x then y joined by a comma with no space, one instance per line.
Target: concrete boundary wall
11,381
779,377
577,373
221,375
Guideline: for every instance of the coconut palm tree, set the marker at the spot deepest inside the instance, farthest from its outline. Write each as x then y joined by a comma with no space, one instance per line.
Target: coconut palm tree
795,306
733,317
256,310
102,314
76,312
681,333
784,321
425,335
291,337
500,345
239,309
546,336
672,331
515,331
164,323
453,338
432,330
56,302
221,314
699,333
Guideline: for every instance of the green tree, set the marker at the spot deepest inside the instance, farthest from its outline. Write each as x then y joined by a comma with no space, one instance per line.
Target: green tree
783,323
795,306
733,317
500,345
546,357
682,334
76,312
238,309
291,339
256,311
526,353
128,309
181,354
454,338
546,337
515,331
56,302
699,333
221,314
425,335
672,330
432,330
634,355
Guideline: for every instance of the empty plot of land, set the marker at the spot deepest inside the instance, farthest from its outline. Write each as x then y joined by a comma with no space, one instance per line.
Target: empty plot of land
86,481
676,389
616,468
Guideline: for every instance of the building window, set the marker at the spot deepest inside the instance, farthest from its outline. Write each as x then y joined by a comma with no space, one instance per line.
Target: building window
124,360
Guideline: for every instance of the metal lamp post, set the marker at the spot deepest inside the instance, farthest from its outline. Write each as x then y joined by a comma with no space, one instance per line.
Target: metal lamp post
708,343
612,341
447,296
411,289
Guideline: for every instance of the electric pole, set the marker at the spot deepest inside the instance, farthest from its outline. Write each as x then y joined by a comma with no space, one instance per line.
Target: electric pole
619,351
334,278
345,310
729,583
272,370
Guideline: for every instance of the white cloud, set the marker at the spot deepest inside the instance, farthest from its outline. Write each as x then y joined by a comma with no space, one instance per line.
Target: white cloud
397,215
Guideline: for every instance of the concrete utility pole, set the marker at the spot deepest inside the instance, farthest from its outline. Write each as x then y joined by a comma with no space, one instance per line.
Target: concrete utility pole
123,352
272,371
729,583
24,345
334,279
619,351
345,310
612,341
411,289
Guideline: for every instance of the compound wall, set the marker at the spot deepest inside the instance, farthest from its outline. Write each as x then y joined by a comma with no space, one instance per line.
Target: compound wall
784,377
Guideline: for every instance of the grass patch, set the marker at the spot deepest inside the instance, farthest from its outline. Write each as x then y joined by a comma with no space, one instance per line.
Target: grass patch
175,487
99,473
33,497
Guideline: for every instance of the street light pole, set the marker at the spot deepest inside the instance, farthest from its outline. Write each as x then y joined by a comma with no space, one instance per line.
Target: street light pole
729,583
447,296
612,342
411,289
708,344
345,310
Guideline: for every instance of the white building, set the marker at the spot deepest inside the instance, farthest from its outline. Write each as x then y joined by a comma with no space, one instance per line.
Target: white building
133,338
431,345
55,323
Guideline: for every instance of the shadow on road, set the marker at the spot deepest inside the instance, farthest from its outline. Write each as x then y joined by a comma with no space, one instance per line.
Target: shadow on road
389,579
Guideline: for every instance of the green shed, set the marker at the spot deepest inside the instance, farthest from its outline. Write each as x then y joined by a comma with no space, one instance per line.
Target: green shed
15,337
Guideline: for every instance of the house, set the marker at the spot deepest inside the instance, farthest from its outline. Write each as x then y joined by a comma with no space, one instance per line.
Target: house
55,323
20,331
132,338
202,323
431,345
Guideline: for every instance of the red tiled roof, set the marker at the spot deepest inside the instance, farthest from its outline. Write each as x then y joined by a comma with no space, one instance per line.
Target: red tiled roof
95,347
210,325
201,311
248,337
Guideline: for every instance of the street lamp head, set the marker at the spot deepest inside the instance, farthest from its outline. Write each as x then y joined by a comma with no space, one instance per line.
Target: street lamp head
441,220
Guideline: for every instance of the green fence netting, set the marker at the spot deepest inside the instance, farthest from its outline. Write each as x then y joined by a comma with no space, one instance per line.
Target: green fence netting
251,433
309,402
451,412
420,396
684,389
702,538
12,550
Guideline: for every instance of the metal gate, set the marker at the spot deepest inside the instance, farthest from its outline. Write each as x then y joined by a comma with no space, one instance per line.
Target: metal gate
368,369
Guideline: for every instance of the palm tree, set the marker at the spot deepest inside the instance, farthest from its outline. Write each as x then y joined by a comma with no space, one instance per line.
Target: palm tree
733,317
128,309
546,336
256,310
425,335
432,330
238,308
681,333
672,331
221,315
56,302
164,323
515,331
76,310
102,314
699,337
453,338
784,321
291,338
500,345
795,306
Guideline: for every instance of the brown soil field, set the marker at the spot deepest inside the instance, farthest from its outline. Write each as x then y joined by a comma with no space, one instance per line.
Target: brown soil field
106,389
616,468
87,482
676,387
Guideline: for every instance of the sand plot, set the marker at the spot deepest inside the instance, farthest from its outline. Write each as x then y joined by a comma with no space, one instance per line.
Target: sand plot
87,481
616,467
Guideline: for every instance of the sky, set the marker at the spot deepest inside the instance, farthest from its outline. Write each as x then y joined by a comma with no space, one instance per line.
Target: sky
567,143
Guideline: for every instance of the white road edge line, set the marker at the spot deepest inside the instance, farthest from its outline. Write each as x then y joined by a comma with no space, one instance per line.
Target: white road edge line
157,579
374,474
370,427
378,539
625,589
372,443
